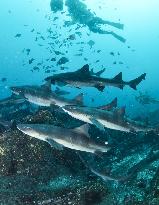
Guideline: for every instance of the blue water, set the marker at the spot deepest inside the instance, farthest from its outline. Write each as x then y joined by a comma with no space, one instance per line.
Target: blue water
141,32
139,54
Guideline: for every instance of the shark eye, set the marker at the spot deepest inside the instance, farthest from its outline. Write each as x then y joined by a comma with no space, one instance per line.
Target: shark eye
28,128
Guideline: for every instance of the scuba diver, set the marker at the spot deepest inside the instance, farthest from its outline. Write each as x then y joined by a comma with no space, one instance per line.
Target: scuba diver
80,14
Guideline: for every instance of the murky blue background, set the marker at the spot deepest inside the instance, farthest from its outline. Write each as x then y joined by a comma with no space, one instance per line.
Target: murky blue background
141,31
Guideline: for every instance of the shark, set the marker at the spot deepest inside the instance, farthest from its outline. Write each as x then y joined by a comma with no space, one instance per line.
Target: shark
58,91
76,139
12,100
84,77
105,177
44,96
107,118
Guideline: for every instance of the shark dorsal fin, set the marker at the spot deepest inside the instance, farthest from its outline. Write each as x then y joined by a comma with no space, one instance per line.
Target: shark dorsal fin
110,105
119,113
47,86
79,99
83,129
99,73
118,78
84,70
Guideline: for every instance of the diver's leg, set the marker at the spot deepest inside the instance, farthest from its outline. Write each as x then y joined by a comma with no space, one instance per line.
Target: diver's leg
120,38
100,31
98,20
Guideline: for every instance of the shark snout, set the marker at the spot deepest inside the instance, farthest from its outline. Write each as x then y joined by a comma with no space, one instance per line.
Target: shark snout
32,130
15,90
24,128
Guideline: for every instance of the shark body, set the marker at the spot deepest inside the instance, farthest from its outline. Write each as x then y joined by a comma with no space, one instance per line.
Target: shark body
115,119
12,100
44,96
84,77
76,139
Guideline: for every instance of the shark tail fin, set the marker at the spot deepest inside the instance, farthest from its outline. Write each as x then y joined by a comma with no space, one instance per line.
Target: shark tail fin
110,106
13,124
47,85
133,83
79,99
50,78
9,124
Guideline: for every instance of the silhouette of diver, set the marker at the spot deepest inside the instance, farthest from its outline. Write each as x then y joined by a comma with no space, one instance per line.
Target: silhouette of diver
80,14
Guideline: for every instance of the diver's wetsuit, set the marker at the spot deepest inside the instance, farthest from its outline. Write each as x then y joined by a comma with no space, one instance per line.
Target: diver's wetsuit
80,14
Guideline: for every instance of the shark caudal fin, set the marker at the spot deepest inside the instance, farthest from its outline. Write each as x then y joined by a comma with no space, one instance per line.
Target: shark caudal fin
109,106
134,83
9,124
47,86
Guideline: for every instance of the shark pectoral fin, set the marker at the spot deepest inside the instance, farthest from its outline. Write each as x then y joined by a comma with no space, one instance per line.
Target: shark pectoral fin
53,106
98,124
100,87
83,129
54,144
120,86
79,99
